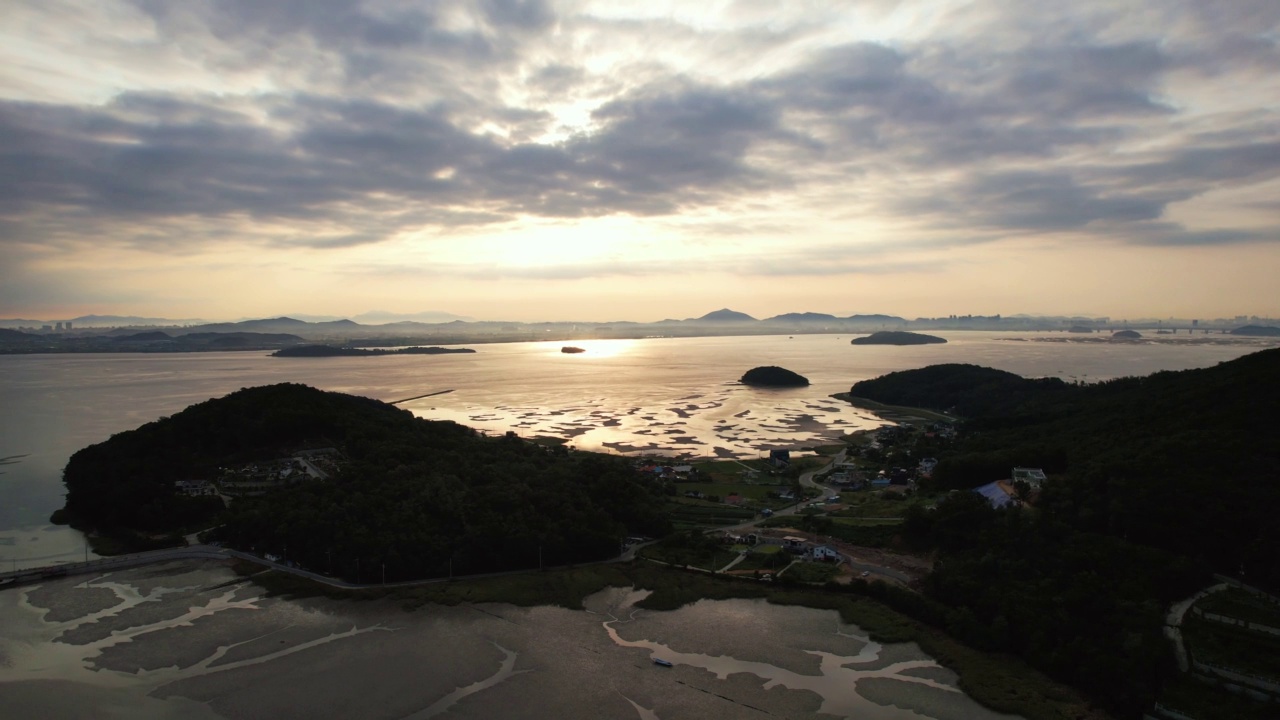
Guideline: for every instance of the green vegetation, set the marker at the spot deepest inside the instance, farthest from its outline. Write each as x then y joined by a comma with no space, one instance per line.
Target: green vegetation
897,337
416,497
892,413
812,572
1154,482
1241,604
773,376
686,513
965,390
1232,647
691,548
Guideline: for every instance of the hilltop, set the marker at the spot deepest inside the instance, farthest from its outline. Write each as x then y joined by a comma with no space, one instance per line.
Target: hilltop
1153,483
414,493
897,337
773,376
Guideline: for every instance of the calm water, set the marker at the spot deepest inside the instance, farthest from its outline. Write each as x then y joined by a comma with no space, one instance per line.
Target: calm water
665,395
185,641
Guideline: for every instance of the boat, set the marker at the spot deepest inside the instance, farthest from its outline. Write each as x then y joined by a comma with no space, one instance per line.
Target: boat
663,663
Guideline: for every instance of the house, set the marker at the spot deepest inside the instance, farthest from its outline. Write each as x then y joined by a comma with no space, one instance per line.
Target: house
766,512
750,474
195,488
880,482
825,553
998,494
794,544
780,458
733,499
1032,476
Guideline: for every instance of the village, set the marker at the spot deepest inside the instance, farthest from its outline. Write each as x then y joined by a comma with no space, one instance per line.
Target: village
830,513
258,477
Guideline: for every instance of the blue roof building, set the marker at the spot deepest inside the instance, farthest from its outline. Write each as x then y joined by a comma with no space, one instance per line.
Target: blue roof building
996,494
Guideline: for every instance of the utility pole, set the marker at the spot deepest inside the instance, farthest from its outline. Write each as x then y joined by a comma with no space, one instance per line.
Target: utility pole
357,571
539,556
384,573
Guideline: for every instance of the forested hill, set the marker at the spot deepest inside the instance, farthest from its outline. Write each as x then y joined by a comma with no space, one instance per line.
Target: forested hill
1186,461
1153,483
965,390
413,494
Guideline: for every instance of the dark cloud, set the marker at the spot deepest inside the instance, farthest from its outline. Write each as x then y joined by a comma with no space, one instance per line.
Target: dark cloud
1027,132
1036,201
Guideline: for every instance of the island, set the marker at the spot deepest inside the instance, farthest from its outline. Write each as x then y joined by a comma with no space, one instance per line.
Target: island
571,349
328,480
312,351
897,337
1126,335
773,376
1257,331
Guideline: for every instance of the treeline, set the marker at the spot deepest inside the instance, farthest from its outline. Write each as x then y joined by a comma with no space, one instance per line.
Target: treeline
1154,482
418,497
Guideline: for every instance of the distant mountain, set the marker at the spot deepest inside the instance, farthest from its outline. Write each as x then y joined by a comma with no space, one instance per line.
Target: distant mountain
803,317
152,336
20,322
231,340
725,315
380,317
875,318
97,321
266,325
1257,331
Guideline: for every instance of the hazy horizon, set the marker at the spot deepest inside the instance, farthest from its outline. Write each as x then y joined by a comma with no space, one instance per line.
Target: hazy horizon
375,318
534,159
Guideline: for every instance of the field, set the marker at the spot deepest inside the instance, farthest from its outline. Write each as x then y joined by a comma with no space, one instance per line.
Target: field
687,513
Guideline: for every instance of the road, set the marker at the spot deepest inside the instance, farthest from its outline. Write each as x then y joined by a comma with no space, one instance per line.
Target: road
807,480
212,552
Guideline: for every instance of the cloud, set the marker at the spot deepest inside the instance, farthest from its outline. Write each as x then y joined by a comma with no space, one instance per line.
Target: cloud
361,122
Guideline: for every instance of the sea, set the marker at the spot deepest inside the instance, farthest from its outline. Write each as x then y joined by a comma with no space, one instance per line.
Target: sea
674,397
192,640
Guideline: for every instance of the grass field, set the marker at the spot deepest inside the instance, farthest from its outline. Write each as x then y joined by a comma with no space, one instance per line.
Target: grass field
1231,647
1237,603
702,514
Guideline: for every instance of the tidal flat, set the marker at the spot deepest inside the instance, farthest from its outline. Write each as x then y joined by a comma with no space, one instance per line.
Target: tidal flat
195,640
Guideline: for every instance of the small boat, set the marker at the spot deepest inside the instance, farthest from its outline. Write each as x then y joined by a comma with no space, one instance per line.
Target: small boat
663,663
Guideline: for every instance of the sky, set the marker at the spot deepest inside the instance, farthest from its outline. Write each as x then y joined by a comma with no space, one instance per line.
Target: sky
541,160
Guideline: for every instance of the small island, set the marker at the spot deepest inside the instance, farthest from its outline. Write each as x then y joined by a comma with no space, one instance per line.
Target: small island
571,349
773,376
1257,331
311,351
1126,335
897,337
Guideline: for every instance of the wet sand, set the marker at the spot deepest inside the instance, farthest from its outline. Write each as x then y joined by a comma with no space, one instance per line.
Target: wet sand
187,640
